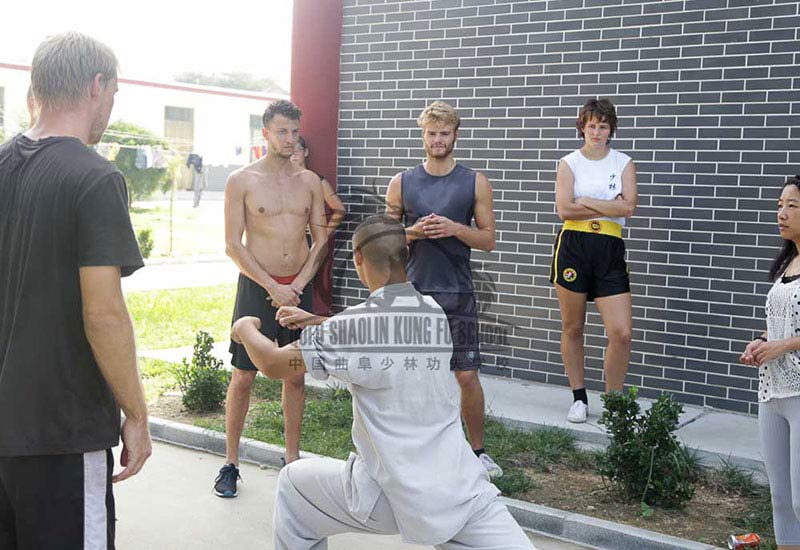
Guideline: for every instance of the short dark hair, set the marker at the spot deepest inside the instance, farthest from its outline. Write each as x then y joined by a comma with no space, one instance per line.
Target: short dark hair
281,107
601,109
302,142
382,240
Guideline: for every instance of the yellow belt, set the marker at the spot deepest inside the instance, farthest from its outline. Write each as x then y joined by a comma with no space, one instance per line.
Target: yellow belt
601,227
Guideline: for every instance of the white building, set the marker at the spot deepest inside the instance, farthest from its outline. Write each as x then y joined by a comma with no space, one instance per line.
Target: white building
220,124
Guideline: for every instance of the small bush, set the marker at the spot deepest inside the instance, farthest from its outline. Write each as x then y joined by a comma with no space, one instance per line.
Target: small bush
203,381
145,239
644,460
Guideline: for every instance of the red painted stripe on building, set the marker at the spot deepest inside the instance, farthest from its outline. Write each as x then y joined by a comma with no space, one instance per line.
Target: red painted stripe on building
168,86
316,47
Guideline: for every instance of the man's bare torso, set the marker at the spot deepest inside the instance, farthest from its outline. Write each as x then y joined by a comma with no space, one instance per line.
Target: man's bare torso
277,211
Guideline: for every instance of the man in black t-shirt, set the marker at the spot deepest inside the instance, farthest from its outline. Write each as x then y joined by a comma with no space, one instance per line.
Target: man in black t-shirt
67,354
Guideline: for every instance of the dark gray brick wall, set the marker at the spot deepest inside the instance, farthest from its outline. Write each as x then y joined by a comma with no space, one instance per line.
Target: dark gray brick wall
708,95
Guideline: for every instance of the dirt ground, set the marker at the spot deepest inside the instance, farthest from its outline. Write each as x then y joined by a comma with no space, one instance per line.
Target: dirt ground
706,518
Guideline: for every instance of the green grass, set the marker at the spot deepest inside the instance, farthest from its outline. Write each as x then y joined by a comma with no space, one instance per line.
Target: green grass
194,231
171,318
516,450
730,478
157,377
327,419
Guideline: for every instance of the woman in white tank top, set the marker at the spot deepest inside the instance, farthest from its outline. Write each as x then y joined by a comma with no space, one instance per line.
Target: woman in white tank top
595,193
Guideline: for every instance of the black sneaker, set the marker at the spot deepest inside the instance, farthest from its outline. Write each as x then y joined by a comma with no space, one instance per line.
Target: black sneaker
225,484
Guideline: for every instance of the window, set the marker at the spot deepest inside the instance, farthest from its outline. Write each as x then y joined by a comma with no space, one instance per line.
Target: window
179,128
179,132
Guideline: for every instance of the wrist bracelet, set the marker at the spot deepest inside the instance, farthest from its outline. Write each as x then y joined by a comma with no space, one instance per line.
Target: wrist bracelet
760,338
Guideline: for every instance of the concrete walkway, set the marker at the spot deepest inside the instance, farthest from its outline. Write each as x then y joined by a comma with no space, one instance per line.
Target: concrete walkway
715,434
170,506
163,275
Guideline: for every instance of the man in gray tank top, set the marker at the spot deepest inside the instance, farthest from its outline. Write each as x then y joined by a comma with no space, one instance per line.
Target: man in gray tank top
438,201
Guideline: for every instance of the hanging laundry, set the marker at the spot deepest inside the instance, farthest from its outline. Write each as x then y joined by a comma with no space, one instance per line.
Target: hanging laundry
144,157
194,160
160,158
140,159
102,149
113,151
259,151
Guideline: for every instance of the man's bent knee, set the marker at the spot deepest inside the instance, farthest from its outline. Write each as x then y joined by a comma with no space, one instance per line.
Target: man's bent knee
296,381
242,380
468,378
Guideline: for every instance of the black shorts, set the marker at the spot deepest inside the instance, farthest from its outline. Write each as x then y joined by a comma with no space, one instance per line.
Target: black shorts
253,300
462,316
590,263
57,501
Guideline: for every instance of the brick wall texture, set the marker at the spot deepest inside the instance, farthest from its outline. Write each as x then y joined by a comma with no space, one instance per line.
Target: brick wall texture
708,98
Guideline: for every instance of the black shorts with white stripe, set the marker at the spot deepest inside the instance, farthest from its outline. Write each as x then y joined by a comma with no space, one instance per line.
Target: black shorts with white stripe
57,501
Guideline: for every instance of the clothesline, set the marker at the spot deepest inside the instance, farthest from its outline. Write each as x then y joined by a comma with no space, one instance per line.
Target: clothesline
147,156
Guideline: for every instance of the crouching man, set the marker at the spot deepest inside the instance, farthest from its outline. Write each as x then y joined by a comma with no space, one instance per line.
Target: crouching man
414,472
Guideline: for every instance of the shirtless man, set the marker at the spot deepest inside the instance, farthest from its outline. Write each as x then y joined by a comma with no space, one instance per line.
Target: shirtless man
272,201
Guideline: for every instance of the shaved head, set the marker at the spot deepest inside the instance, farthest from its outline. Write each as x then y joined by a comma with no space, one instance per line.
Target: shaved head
381,240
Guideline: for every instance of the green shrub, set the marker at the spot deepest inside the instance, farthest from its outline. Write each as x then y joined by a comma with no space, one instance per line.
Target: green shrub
203,382
145,239
644,460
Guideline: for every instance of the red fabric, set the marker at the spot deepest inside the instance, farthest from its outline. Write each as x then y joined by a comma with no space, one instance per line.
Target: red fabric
284,279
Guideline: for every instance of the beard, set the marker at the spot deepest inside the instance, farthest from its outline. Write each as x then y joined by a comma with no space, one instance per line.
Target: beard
278,151
440,153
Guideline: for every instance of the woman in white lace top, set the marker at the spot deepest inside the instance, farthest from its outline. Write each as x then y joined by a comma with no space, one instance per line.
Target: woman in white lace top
776,353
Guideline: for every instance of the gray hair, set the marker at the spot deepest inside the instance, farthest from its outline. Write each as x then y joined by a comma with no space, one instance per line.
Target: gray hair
64,67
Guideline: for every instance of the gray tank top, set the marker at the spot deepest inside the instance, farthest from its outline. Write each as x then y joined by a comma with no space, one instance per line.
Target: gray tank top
439,265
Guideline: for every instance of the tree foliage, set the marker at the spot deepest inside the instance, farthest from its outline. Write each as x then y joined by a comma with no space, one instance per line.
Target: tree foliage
236,80
141,182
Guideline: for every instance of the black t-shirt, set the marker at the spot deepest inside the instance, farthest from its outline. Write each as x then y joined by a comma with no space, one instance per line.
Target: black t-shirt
62,207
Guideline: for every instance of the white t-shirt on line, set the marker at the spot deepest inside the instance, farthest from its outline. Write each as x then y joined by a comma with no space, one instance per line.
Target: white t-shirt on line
598,179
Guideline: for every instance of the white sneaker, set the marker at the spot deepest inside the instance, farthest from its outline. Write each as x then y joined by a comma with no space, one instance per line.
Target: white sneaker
490,466
578,412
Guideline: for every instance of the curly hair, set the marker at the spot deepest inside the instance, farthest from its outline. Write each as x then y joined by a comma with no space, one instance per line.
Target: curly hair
281,107
439,112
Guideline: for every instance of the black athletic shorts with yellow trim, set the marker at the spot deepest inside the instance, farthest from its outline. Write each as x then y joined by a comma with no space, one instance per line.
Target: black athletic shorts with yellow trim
590,263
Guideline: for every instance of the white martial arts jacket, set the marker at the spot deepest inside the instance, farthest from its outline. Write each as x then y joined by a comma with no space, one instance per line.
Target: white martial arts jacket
393,352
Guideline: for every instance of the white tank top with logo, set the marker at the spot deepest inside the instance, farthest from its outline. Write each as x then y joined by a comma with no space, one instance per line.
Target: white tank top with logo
598,179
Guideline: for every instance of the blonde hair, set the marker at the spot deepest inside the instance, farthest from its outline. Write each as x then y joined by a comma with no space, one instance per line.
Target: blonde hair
439,112
64,67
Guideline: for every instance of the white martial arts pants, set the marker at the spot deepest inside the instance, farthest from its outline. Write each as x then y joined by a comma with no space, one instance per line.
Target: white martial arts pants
310,506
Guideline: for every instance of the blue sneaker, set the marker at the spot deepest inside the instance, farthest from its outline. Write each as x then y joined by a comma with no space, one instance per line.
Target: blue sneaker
225,484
